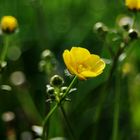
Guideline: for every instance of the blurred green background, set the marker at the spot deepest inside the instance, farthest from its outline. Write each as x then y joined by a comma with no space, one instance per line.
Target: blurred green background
58,25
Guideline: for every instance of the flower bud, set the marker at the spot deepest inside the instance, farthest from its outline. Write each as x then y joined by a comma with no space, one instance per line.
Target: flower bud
46,54
50,90
133,5
2,65
8,116
56,81
42,65
125,22
63,89
100,28
8,24
133,34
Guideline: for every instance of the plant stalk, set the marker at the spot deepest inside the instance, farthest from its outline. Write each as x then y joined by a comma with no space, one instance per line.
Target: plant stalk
67,123
116,111
59,103
5,49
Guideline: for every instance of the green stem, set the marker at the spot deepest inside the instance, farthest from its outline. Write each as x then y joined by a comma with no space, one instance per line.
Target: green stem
5,49
134,19
106,87
44,135
67,123
116,111
68,89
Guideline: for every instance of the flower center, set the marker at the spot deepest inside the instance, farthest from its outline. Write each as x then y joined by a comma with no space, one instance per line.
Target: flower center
81,68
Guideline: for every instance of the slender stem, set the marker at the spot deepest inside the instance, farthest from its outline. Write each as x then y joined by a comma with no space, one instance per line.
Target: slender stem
5,49
115,62
134,18
44,135
106,86
67,122
98,112
116,111
68,89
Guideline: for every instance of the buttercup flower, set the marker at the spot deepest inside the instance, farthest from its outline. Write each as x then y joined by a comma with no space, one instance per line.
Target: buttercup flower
8,24
82,63
133,4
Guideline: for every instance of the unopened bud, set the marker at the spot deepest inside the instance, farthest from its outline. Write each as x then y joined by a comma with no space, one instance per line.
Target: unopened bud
125,22
56,81
100,28
8,24
63,89
46,54
133,34
50,90
2,65
8,116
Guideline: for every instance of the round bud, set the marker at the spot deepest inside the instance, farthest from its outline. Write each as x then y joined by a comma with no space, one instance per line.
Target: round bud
126,27
125,22
100,28
42,65
56,81
63,89
133,34
46,54
2,65
132,5
8,116
8,24
50,90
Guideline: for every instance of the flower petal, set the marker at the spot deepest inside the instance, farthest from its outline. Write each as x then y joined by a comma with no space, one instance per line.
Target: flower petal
89,74
80,62
79,54
95,64
69,61
81,77
100,65
138,4
91,60
132,4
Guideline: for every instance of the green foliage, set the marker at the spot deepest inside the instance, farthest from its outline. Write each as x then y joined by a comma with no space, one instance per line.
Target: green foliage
58,25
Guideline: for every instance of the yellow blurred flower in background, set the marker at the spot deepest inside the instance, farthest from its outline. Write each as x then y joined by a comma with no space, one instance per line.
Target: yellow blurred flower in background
82,63
8,24
133,4
127,68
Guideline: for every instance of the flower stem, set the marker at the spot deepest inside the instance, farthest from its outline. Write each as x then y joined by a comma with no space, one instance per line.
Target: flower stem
67,123
134,19
106,88
5,49
44,135
116,111
68,89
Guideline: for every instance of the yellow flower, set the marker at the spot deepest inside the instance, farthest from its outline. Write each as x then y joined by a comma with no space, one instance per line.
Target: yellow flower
133,4
82,63
127,68
8,24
